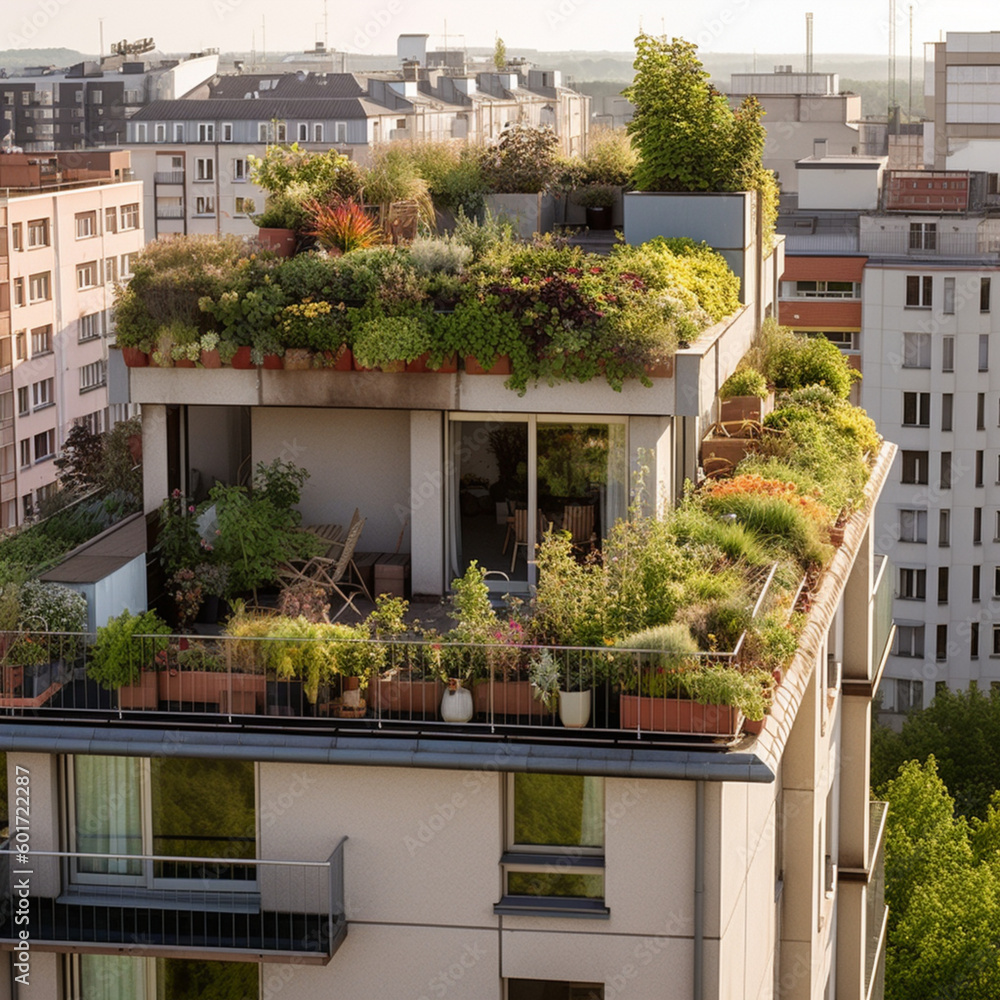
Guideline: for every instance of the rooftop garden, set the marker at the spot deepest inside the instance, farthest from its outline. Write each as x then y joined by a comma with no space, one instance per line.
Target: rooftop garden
550,311
700,605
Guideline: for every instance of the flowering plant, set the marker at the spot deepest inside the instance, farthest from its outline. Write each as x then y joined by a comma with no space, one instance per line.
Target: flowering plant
187,594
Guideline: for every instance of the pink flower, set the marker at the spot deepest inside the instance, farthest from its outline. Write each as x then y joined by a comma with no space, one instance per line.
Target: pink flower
191,509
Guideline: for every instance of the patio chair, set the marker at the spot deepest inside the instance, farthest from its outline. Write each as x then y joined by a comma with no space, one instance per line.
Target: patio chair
331,572
578,520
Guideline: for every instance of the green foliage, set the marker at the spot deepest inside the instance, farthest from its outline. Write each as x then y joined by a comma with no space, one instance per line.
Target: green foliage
380,342
178,545
744,382
316,175
523,160
342,226
687,136
392,175
118,656
610,158
499,55
790,361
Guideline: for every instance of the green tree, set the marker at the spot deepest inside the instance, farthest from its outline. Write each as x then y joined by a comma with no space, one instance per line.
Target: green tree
500,55
687,136
943,893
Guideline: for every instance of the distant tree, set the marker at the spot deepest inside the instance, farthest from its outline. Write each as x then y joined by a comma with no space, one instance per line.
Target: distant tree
942,890
81,460
500,55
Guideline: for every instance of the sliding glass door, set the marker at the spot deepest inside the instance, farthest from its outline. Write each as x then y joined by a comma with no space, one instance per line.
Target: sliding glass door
512,478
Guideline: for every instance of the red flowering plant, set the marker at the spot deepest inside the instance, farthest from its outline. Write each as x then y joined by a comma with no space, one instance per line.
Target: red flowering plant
187,595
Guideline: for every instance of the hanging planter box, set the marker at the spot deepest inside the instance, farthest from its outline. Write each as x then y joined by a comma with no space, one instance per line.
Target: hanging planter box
501,366
450,364
144,694
414,699
273,362
508,698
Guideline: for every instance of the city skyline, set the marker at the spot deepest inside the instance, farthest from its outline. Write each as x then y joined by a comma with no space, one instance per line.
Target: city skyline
729,26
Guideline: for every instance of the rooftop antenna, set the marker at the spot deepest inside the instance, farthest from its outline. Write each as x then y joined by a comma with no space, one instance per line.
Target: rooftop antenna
809,43
100,22
892,56
909,99
326,27
263,41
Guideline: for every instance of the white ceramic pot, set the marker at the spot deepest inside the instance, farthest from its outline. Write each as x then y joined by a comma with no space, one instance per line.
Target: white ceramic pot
456,705
574,709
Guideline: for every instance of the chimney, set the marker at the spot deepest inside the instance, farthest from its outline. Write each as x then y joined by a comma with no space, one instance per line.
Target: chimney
819,148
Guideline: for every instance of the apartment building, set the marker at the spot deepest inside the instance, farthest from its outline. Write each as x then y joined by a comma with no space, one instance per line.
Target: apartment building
389,857
71,224
87,105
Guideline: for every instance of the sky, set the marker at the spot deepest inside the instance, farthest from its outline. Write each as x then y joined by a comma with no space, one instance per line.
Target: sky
371,26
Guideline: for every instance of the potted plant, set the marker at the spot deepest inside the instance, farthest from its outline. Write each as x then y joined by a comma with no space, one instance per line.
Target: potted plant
567,690
209,354
744,396
214,580
121,660
51,620
187,595
599,202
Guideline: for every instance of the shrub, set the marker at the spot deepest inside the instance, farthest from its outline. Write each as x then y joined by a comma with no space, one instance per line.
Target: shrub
117,655
523,160
379,342
610,158
342,226
744,382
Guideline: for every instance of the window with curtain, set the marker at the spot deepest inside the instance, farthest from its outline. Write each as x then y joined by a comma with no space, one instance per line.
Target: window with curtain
555,837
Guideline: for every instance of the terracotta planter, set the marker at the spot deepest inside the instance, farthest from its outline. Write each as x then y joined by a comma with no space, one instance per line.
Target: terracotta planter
185,363
242,358
678,715
410,698
298,359
754,727
507,698
501,366
450,364
211,359
281,242
134,358
393,367
663,370
341,360
145,694
273,362
746,408
836,534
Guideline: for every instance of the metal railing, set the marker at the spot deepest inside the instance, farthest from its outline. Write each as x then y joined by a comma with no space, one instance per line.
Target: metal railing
159,904
169,211
877,913
168,177
928,244
379,684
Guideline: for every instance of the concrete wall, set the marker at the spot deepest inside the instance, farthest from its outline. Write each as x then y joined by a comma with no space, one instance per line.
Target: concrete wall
838,187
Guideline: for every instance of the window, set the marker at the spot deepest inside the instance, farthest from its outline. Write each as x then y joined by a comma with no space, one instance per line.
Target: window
41,394
981,411
204,206
86,274
948,304
130,216
945,478
110,270
996,581
996,640
942,585
948,354
25,450
41,340
318,132
555,843
974,640
240,205
984,295
96,97
917,409
18,294
821,289
976,574
944,528
340,131
38,233
16,236
916,350
262,132
178,132
923,235
918,291
91,326
204,168
910,640
909,695
45,445
39,287
86,225
947,408
227,131
102,977
160,132
977,525
401,123
206,132
984,352
23,405
941,642
549,989
126,261
303,132
281,132
21,345
913,525
912,584
240,171
92,376
979,468
111,220
915,467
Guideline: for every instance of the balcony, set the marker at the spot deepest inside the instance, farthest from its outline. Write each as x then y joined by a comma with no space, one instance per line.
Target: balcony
883,628
170,211
925,245
250,907
877,913
168,177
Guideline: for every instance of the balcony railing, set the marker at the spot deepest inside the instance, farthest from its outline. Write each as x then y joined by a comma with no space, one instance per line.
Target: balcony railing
168,177
379,685
928,244
233,906
877,914
169,211
882,625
